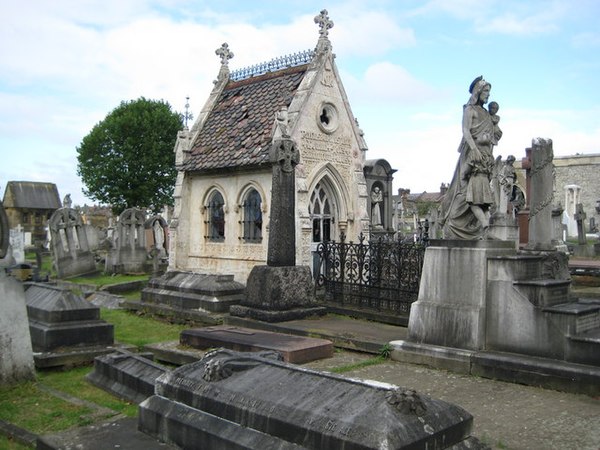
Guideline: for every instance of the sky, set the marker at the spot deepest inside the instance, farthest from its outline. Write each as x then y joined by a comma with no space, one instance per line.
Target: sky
406,67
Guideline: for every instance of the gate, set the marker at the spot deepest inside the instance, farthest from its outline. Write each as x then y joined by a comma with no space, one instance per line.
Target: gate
382,275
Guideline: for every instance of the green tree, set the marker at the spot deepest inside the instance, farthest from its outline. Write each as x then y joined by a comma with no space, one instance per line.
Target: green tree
127,159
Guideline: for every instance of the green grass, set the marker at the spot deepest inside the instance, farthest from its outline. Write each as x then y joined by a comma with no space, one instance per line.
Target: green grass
106,279
139,330
73,382
8,444
28,407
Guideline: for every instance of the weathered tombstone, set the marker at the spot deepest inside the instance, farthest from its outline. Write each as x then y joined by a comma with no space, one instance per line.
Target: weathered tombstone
16,355
17,243
542,196
64,325
503,223
70,249
572,199
255,401
129,254
280,290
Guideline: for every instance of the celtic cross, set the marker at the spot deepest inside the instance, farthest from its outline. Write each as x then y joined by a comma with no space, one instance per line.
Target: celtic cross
324,23
224,53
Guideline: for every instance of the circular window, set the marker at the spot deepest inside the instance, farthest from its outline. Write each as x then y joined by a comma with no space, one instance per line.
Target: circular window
327,118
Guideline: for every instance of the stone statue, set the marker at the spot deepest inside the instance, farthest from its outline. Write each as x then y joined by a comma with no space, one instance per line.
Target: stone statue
465,210
376,202
67,201
507,177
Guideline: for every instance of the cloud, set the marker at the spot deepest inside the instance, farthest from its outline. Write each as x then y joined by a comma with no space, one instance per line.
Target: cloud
388,83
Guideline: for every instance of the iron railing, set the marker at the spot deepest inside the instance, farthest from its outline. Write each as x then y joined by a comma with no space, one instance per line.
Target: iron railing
381,275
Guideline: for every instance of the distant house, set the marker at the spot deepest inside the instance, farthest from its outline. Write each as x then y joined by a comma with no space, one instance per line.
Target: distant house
30,204
410,209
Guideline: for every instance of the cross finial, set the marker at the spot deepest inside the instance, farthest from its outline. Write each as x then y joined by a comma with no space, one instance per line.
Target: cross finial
188,115
224,53
324,23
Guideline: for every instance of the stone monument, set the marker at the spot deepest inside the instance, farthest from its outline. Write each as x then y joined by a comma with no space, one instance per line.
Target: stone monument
70,250
129,253
280,290
16,355
256,401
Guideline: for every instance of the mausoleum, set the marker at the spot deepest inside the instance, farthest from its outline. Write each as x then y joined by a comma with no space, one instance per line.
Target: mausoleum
223,188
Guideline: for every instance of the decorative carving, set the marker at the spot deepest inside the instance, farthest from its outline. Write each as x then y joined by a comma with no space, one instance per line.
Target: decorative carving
293,60
325,24
407,401
222,363
224,53
286,154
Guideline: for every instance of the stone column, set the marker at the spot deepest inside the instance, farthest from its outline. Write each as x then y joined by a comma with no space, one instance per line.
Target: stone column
282,231
542,194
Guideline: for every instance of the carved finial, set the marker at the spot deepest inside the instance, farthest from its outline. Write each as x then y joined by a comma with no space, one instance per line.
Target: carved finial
188,115
324,23
224,53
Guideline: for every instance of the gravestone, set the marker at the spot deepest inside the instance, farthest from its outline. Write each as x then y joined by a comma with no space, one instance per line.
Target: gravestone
280,290
17,243
541,196
16,356
129,253
70,250
61,322
255,401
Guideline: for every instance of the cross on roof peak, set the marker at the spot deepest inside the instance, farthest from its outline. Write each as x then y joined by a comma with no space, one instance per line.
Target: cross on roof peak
324,23
224,53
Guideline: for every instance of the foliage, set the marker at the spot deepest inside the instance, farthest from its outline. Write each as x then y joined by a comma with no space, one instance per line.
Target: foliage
104,279
139,330
385,351
359,365
424,208
127,159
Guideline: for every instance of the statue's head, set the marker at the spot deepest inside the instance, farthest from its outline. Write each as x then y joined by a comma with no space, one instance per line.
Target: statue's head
480,91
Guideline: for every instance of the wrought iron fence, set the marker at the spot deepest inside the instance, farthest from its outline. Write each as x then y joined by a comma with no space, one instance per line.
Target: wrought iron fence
382,275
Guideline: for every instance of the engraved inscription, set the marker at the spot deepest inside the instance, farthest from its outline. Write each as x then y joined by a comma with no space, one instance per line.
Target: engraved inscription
317,147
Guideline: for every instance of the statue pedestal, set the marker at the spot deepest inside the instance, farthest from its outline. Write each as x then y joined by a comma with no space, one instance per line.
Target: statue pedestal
450,310
504,228
276,294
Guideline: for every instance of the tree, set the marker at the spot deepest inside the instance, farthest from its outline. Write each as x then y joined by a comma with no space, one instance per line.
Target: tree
127,159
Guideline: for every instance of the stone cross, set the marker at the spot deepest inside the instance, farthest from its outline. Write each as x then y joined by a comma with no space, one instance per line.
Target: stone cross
324,23
580,217
282,229
224,53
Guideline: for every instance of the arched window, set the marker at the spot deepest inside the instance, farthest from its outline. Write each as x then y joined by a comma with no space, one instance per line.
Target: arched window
216,217
252,216
320,212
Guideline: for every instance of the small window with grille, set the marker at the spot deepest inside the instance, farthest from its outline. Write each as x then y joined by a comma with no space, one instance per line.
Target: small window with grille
215,217
252,216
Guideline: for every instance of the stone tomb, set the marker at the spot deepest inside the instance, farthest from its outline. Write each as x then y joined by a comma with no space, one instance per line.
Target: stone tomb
294,349
59,320
199,297
126,375
254,401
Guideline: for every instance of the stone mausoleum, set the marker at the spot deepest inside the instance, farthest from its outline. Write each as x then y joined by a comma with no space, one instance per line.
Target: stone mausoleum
223,189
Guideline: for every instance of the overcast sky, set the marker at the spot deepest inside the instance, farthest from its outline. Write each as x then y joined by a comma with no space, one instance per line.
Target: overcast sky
406,66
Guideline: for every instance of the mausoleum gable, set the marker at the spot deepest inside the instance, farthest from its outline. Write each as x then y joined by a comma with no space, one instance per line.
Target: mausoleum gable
237,131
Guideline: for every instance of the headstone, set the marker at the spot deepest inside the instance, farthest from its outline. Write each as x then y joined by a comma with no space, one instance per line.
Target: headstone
255,401
129,254
580,217
17,242
294,349
280,290
70,250
542,196
16,355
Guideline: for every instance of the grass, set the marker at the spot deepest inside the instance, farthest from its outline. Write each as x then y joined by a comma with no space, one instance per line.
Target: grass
26,406
9,444
140,330
106,279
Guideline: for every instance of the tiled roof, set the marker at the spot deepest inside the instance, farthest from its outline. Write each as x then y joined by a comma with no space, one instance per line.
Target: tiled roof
31,194
237,132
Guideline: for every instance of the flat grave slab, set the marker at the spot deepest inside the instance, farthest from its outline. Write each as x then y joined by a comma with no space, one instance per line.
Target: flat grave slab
294,349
